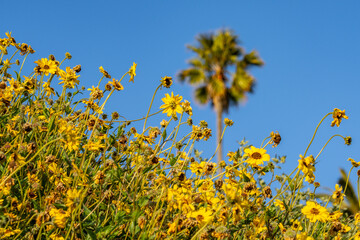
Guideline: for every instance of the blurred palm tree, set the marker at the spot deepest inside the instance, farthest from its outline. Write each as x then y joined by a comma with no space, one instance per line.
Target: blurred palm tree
220,72
352,206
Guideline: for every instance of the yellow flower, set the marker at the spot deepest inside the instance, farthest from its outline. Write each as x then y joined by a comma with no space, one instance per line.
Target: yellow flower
187,108
117,85
56,237
296,226
171,104
202,215
60,217
256,156
282,228
337,195
46,66
279,204
357,236
95,93
166,81
49,90
105,73
68,77
306,164
357,218
73,198
338,115
228,122
314,212
303,236
333,216
132,72
94,146
355,164
8,232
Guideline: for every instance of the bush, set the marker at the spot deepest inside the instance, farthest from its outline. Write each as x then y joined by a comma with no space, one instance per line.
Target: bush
69,171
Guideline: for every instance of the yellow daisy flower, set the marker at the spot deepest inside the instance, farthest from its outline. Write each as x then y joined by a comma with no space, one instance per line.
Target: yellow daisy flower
202,215
69,77
46,66
314,212
256,156
338,115
172,104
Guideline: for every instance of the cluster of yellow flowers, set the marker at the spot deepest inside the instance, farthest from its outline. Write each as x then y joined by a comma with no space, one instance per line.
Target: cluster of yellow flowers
68,171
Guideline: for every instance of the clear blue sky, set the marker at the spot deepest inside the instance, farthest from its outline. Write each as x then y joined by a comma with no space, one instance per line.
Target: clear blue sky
310,48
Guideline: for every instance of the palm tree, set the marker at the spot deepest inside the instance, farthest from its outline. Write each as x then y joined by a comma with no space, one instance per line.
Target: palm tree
211,72
353,202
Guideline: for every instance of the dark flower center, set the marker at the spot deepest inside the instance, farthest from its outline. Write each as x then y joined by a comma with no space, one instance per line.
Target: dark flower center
314,211
46,67
256,155
200,218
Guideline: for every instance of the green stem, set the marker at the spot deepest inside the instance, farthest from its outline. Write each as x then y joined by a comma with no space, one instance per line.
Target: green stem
336,135
152,100
312,139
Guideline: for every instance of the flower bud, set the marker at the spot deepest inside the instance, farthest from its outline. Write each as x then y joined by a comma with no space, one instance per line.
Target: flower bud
68,55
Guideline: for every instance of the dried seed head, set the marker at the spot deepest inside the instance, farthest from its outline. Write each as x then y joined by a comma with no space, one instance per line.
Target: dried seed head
2,156
267,193
218,184
115,115
141,222
181,176
27,127
2,85
52,57
108,87
275,138
348,140
77,68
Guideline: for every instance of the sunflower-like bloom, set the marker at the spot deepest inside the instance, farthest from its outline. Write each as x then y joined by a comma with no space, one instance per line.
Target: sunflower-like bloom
256,156
69,77
46,66
202,215
73,198
314,212
306,165
337,195
172,104
59,216
338,115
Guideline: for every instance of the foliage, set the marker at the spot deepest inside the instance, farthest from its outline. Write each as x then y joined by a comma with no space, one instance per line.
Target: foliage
68,171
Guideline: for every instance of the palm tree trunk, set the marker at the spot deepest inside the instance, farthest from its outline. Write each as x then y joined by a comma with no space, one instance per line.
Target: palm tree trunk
219,111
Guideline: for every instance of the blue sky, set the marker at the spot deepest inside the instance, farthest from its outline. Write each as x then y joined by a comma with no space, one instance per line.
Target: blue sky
310,48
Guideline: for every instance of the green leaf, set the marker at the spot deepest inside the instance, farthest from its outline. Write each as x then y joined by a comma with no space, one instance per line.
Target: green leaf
246,179
143,201
120,217
164,134
104,231
90,235
172,161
